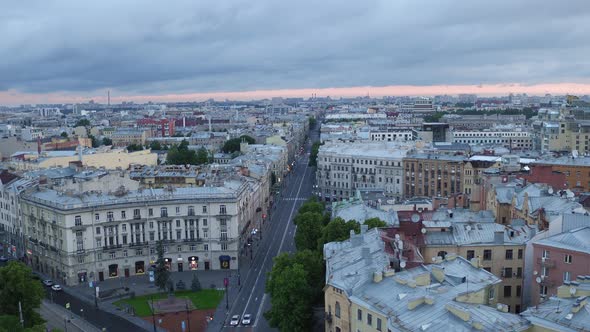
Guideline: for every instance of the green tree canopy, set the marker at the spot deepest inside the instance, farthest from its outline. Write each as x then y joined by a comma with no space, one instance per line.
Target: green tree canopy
309,230
338,230
202,156
107,141
155,145
375,222
82,123
290,299
64,134
17,284
314,266
161,274
315,207
95,142
233,145
134,147
313,156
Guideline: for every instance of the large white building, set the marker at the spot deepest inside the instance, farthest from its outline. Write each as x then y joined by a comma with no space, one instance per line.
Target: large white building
516,139
344,168
81,237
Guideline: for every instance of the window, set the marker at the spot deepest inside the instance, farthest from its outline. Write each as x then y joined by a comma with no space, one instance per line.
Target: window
378,324
151,224
178,210
191,210
369,319
205,222
136,214
519,272
204,208
163,212
124,227
96,217
487,255
177,223
205,233
507,272
517,309
152,236
509,254
78,220
566,276
567,259
192,247
179,248
113,255
491,293
470,254
224,246
150,212
124,239
97,230
543,290
152,251
518,290
223,223
507,291
110,216
125,253
545,253
359,314
223,234
99,256
519,253
123,215
222,209
138,252
81,259
206,247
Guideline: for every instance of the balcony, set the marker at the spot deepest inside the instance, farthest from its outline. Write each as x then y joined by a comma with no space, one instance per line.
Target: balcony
138,244
137,216
80,251
546,262
112,246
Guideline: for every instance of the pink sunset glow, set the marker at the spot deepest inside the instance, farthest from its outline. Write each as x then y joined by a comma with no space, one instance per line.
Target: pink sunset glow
12,97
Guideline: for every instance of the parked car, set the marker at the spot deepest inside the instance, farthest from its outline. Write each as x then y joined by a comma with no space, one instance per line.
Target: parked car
47,282
246,320
235,320
56,287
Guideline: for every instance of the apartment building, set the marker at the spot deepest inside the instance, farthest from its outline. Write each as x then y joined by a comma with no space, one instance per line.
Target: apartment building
126,136
433,175
363,292
344,168
11,227
84,236
576,171
393,134
559,259
516,138
476,237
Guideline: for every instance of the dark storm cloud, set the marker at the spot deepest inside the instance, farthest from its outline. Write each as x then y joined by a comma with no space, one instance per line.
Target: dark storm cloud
188,46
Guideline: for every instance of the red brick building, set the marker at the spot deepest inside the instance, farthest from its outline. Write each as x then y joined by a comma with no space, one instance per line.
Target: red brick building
559,258
159,127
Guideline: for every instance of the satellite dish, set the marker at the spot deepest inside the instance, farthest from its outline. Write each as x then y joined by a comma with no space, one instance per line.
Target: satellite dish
468,228
575,154
535,272
499,306
402,264
572,290
434,259
550,191
415,217
538,280
423,230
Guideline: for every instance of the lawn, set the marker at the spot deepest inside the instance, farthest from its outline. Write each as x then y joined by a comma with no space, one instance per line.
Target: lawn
203,299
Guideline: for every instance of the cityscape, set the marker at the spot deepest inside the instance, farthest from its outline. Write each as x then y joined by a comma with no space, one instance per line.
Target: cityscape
280,167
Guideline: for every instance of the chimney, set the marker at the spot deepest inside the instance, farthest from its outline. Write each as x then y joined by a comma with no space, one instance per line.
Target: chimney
499,237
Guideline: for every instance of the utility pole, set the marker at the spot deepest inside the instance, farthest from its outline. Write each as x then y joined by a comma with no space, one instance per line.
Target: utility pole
20,313
153,316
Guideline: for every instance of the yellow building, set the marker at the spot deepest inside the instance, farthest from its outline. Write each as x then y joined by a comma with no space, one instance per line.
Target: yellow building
364,294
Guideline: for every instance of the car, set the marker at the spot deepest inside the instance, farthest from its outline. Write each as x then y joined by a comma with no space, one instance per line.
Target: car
235,320
246,320
47,283
56,287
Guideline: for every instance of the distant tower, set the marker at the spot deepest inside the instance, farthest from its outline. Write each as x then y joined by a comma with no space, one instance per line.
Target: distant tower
39,146
109,97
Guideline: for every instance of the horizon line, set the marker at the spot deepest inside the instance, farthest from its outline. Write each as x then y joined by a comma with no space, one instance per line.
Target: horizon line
15,98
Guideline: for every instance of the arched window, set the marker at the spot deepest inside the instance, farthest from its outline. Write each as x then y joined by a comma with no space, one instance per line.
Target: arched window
337,309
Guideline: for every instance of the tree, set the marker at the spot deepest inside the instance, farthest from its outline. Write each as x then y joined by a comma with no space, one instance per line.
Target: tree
338,230
375,222
82,123
309,231
273,178
17,284
202,156
180,285
289,297
313,263
134,147
95,142
107,141
161,274
64,134
313,156
311,206
312,122
233,145
155,145
195,284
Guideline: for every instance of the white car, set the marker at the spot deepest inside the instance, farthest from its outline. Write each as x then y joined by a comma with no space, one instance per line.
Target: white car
235,320
246,320
56,288
47,282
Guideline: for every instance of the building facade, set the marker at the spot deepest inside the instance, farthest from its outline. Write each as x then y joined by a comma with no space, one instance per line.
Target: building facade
433,175
76,238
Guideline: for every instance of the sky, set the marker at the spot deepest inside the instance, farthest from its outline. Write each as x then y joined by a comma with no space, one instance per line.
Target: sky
73,51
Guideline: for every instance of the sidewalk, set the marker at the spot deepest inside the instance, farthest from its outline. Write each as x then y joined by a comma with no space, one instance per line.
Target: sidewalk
60,318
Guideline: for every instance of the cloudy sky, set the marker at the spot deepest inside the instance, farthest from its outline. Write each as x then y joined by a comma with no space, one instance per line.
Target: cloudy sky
73,50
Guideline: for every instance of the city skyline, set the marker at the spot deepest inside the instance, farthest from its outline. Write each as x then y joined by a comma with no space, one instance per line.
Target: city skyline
62,52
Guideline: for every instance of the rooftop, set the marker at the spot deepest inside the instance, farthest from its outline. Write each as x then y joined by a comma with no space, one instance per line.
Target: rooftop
575,240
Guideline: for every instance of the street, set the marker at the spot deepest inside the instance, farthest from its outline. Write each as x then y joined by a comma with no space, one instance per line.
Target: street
277,237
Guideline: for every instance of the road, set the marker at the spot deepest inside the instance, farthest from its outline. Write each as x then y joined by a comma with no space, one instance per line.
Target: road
88,312
277,237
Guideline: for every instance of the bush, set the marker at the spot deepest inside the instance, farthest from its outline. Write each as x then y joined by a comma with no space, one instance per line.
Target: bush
195,284
180,285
